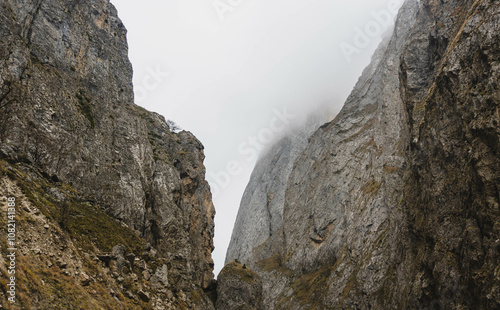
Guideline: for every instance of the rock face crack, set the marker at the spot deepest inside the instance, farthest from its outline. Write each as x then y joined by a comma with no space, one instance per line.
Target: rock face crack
270,198
29,21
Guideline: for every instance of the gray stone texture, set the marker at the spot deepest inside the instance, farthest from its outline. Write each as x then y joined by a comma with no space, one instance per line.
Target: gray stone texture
394,204
239,288
67,107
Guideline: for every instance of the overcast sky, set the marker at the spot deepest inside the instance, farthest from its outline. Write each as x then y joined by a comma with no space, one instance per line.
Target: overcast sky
234,71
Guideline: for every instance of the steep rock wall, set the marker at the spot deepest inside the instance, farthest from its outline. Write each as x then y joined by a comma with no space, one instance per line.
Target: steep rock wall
451,193
394,204
261,212
67,108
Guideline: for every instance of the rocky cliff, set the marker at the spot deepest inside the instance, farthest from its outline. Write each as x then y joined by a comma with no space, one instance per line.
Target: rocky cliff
72,140
395,203
240,288
261,213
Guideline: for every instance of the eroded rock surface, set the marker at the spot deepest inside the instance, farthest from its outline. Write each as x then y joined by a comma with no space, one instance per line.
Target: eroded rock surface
394,204
238,287
67,108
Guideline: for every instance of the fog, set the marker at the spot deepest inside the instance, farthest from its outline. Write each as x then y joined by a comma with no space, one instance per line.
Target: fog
236,72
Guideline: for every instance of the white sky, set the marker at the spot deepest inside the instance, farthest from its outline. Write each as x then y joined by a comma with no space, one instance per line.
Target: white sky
224,79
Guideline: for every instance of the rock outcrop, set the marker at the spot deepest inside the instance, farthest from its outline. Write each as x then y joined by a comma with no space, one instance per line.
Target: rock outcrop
394,204
238,287
67,111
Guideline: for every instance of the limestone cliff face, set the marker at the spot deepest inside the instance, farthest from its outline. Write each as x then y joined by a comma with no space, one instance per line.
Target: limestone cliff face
394,204
261,213
451,195
66,108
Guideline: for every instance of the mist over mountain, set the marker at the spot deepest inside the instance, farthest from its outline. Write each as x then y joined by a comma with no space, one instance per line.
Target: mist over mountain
394,203
390,203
